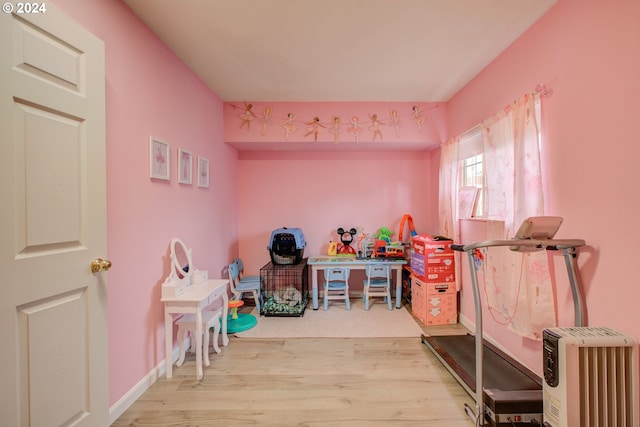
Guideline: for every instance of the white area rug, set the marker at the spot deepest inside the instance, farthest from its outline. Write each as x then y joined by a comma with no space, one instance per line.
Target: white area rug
338,322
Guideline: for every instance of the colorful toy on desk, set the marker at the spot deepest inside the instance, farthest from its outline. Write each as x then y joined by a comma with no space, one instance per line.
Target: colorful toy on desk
379,245
382,250
362,249
384,247
385,234
395,250
412,230
379,248
333,248
346,238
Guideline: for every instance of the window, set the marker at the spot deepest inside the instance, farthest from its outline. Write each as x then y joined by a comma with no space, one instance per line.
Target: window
472,167
473,176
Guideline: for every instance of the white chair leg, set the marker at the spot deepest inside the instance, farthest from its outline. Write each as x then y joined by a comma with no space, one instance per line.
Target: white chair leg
205,347
182,349
256,297
187,325
216,335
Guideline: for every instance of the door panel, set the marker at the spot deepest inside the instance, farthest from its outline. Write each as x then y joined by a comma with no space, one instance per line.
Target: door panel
52,170
53,312
49,364
46,57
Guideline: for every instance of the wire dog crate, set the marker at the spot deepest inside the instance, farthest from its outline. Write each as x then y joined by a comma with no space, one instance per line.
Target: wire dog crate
285,289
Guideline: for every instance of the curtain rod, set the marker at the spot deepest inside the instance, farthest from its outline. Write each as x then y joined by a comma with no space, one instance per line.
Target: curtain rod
540,89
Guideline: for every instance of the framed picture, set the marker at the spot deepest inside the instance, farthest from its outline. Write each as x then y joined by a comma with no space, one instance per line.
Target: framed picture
203,172
185,166
159,159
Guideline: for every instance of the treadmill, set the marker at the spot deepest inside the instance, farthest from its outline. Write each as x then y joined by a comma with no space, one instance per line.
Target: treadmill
506,393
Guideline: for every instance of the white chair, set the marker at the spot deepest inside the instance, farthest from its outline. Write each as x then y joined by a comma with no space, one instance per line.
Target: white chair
238,288
377,284
336,286
187,324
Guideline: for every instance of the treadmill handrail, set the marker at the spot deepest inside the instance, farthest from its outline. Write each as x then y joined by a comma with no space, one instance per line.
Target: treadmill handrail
568,247
538,243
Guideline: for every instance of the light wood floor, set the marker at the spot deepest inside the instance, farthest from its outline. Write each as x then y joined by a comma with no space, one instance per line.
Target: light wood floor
309,382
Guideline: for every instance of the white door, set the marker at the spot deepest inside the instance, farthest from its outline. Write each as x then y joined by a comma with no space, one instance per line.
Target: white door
53,309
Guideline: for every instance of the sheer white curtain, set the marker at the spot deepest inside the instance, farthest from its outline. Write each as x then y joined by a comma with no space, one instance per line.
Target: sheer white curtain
448,183
448,195
518,285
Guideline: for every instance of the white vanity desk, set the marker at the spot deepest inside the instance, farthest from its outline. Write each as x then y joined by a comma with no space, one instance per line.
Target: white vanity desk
189,290
193,300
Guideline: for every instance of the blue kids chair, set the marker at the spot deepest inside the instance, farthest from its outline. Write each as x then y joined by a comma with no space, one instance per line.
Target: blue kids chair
238,289
336,286
377,284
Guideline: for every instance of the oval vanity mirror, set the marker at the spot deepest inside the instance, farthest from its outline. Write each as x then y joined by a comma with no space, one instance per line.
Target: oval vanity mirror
181,263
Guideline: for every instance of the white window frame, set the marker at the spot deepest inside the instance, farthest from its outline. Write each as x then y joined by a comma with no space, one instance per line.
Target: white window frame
471,151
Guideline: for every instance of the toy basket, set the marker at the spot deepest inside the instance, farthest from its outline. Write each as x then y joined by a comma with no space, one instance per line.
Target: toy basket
286,246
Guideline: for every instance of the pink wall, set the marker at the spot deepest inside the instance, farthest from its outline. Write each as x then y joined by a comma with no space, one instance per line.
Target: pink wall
586,51
150,92
319,192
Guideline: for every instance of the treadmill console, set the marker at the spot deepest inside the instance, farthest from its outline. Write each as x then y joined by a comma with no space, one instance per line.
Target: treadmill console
550,357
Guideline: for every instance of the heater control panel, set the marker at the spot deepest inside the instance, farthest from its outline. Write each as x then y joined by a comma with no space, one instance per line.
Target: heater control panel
550,357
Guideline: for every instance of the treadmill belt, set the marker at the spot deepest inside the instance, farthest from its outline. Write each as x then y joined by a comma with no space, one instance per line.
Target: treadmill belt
512,393
500,371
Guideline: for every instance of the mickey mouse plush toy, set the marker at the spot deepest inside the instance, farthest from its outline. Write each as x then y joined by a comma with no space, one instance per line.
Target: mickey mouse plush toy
346,238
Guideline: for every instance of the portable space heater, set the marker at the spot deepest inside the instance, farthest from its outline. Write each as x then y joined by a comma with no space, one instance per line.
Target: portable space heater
590,378
286,246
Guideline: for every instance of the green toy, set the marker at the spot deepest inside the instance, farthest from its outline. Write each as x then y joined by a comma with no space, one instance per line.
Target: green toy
385,234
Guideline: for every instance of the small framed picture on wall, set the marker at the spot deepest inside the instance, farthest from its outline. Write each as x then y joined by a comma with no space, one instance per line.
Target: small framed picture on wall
203,172
185,166
159,159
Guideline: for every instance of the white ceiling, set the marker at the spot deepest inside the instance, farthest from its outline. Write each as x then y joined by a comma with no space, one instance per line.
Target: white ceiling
338,50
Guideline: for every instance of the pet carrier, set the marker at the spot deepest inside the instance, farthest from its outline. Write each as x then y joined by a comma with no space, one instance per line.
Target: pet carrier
286,246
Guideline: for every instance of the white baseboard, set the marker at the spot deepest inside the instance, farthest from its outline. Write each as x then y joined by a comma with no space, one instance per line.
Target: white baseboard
118,408
464,321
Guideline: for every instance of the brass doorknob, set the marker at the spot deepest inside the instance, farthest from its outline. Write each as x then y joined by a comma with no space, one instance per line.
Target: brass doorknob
100,264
